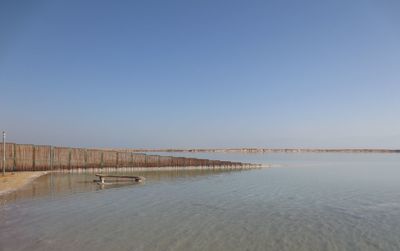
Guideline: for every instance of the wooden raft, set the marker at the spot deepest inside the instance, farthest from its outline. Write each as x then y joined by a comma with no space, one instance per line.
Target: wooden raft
103,176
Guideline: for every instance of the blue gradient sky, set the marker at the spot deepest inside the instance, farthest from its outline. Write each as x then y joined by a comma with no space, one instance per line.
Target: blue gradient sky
201,73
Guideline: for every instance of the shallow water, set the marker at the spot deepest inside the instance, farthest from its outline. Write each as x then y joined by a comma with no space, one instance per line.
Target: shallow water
305,202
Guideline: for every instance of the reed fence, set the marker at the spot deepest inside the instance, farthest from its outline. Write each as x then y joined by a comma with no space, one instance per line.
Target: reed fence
24,157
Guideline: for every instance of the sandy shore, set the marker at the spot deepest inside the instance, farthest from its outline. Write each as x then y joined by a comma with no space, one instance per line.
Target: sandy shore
14,181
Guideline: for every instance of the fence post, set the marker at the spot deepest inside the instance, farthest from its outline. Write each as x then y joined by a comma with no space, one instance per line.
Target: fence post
49,160
116,165
102,160
51,157
4,153
69,158
33,157
15,157
85,157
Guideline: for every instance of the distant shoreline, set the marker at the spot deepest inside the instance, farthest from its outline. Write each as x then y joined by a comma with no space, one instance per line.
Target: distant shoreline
272,150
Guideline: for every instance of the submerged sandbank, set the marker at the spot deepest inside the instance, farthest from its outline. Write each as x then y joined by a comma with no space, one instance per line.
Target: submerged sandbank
14,181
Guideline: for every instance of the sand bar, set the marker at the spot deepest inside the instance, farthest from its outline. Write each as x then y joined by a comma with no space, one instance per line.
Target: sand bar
14,181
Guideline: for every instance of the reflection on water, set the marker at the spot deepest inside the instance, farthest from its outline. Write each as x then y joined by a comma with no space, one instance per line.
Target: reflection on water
311,202
56,184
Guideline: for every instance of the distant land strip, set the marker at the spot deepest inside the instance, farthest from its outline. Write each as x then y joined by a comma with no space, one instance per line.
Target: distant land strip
272,150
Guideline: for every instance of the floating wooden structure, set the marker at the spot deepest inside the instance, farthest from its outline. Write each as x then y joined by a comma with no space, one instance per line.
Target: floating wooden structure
103,176
24,157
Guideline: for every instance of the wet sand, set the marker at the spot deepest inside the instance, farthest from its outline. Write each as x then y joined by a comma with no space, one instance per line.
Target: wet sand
14,181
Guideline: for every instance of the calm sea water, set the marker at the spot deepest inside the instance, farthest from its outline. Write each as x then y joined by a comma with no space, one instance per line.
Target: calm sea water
305,202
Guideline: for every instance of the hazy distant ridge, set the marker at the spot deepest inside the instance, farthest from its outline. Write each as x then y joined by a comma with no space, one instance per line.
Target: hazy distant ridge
274,150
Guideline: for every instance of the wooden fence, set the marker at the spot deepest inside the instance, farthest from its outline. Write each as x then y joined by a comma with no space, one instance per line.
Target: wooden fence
23,157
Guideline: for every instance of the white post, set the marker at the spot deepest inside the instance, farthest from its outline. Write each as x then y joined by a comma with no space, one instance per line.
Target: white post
4,153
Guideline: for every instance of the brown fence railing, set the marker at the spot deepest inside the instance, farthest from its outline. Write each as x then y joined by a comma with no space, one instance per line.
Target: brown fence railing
23,157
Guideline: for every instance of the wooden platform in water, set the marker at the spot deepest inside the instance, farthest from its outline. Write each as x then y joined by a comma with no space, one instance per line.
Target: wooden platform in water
103,176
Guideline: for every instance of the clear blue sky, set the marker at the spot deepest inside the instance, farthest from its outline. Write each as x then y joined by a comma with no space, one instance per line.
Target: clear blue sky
201,73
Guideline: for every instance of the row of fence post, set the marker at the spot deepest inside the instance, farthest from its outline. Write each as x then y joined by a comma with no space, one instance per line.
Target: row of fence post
33,158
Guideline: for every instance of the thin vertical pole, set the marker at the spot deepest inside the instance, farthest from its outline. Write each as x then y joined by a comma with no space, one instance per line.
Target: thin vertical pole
102,160
15,158
117,161
51,157
85,157
4,153
33,157
69,158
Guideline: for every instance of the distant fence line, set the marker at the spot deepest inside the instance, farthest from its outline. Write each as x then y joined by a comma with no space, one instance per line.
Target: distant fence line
24,157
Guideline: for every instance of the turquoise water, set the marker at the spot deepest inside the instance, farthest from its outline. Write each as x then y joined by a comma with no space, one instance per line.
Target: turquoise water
305,202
